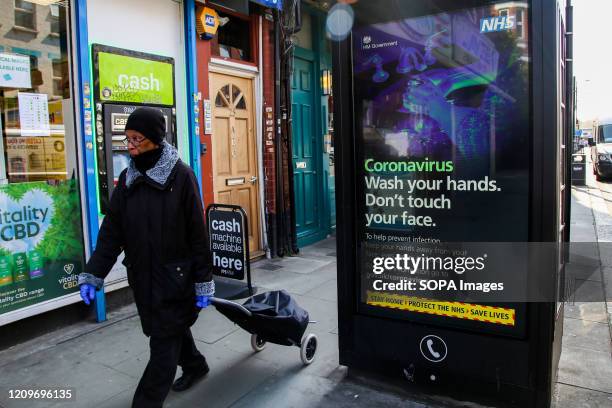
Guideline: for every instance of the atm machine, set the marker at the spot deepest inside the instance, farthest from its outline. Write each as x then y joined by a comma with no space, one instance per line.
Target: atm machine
113,156
124,81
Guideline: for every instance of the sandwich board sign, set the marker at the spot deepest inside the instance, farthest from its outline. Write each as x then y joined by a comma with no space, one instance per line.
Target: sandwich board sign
229,244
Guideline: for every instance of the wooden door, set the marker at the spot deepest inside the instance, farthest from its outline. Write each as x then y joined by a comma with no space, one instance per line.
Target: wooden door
235,176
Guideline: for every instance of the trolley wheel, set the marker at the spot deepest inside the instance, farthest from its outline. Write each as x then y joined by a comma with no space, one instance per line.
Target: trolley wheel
257,343
308,348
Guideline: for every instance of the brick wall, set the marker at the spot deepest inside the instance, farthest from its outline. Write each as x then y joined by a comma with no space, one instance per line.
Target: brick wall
269,115
202,59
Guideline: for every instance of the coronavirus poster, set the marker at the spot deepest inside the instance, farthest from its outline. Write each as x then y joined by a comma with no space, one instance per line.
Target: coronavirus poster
442,124
41,243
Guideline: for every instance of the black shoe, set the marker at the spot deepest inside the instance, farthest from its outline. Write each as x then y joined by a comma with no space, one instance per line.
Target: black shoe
185,381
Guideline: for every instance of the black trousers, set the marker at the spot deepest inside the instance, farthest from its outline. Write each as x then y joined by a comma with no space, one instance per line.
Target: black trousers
166,354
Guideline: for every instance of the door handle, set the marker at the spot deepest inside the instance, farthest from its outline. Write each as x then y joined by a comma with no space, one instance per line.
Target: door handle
253,179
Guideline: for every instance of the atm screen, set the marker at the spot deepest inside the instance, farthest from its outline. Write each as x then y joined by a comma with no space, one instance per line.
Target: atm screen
442,117
121,161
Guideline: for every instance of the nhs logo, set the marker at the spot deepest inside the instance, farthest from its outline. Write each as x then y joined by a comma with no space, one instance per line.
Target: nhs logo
493,24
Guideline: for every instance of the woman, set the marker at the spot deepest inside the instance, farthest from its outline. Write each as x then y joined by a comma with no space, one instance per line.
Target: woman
155,215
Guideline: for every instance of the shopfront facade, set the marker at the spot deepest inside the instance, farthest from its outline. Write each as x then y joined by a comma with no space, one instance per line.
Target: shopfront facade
134,54
70,74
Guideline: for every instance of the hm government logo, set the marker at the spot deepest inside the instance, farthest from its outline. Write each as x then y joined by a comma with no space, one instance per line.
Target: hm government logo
368,44
69,268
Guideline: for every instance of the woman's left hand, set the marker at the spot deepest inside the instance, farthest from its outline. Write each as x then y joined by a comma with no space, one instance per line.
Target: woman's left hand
202,301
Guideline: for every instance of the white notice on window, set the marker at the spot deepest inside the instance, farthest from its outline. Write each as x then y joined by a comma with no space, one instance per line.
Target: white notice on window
34,114
15,71
207,117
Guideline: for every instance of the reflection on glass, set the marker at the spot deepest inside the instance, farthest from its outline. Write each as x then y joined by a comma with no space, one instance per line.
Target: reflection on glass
219,101
41,239
35,94
226,92
235,93
605,132
241,103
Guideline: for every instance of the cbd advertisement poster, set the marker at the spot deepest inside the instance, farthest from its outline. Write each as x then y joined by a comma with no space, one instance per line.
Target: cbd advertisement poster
41,243
442,126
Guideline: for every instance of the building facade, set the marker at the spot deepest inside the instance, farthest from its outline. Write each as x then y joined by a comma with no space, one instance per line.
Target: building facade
71,72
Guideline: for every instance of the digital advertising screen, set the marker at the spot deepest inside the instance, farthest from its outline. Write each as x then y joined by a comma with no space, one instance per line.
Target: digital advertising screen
442,111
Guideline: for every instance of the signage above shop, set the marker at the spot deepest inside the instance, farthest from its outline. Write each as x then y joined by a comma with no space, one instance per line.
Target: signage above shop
129,76
210,23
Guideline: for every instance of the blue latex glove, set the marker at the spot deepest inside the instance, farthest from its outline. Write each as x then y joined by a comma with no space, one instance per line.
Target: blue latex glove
88,293
202,301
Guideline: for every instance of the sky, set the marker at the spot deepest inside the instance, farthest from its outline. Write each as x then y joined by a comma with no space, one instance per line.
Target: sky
593,58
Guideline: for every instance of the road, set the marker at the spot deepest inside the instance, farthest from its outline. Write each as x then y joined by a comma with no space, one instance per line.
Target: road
605,186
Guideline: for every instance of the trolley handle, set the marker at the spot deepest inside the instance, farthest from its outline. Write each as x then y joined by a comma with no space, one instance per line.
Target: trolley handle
220,301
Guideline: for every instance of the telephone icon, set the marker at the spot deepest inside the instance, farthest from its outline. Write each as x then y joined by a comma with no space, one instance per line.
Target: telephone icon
433,348
434,353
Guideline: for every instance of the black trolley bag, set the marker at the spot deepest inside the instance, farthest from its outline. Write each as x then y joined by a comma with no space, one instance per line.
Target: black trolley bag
272,317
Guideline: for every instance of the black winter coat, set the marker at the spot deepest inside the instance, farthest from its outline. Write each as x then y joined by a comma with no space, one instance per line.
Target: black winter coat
160,226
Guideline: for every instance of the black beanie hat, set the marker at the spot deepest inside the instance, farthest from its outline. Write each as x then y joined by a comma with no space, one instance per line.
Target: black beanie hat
148,121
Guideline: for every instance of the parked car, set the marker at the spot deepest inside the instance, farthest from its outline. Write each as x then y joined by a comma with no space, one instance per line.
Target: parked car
601,149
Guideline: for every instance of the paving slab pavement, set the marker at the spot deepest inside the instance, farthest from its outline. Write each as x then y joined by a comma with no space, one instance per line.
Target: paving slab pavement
104,362
585,368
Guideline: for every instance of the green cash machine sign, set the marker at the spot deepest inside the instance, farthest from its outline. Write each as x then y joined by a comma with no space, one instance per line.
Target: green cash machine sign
131,79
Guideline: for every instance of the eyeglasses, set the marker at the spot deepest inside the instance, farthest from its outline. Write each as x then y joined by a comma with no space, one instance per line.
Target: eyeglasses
134,141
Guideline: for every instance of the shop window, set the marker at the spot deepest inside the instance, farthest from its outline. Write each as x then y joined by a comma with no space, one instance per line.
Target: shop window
41,242
32,103
25,14
233,40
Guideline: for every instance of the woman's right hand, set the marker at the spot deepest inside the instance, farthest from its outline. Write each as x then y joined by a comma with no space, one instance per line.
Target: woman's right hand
88,293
